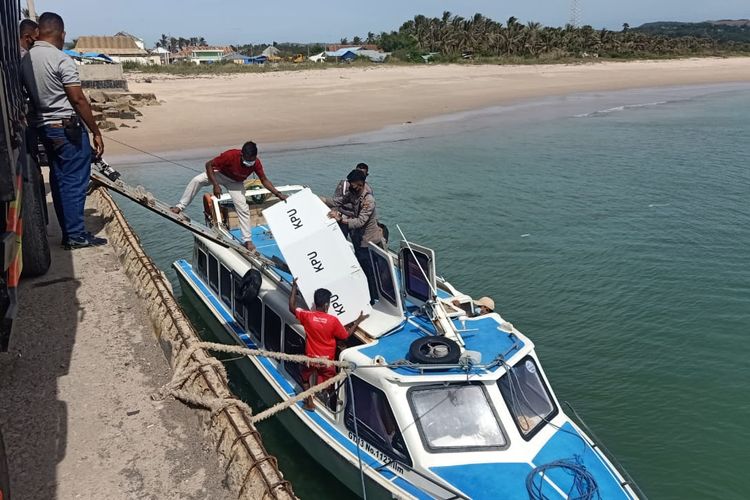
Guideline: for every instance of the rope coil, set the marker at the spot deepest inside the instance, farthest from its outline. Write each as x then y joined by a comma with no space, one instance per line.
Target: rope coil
584,485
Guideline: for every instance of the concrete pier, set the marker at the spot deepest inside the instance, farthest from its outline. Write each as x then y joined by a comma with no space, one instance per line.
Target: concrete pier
75,392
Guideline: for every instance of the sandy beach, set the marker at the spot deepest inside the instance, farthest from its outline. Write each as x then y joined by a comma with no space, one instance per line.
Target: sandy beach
277,107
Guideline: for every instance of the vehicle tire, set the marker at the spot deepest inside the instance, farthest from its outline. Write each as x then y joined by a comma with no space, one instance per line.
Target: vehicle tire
434,350
4,479
35,245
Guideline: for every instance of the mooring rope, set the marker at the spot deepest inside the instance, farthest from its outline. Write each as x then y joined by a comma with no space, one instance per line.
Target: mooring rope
182,374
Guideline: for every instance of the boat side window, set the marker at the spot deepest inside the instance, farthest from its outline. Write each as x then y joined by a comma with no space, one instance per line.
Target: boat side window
236,306
456,417
272,330
225,282
375,421
202,263
254,317
527,397
213,272
294,343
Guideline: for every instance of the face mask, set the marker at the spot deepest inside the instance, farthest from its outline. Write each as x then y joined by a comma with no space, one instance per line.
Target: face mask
248,163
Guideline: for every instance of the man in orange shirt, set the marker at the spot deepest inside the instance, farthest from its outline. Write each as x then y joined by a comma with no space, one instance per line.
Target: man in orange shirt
321,331
230,169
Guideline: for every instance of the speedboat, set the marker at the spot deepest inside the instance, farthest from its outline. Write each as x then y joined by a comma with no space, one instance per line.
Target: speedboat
440,402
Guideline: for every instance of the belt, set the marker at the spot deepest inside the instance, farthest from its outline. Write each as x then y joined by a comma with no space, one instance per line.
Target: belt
58,123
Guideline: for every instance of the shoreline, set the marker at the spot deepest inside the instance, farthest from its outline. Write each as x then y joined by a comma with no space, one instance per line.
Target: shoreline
322,108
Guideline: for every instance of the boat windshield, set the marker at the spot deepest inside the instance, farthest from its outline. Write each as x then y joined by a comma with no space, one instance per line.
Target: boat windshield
456,417
527,397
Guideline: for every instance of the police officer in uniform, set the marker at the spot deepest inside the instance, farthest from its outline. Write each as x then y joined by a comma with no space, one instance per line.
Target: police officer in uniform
58,109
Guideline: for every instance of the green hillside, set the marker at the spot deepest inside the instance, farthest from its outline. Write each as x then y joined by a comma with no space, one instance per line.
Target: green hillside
722,31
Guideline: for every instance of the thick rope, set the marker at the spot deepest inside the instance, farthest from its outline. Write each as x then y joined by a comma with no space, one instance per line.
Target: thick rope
270,412
182,373
281,356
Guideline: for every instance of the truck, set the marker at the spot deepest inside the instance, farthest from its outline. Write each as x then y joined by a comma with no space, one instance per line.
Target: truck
24,248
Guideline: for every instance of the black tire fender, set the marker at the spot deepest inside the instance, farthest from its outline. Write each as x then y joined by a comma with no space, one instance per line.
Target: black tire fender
434,350
249,287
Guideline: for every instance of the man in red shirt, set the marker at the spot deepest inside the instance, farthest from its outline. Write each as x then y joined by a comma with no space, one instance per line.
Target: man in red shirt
321,331
230,169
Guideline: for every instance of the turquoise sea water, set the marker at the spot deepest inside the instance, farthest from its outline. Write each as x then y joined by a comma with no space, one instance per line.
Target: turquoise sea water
613,229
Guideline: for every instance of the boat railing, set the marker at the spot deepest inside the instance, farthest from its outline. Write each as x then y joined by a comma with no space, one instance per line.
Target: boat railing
597,443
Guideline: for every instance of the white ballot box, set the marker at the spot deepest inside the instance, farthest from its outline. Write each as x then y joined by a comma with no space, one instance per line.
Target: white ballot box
318,254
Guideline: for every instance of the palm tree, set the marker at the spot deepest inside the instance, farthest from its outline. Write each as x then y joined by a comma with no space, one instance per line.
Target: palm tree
514,34
532,38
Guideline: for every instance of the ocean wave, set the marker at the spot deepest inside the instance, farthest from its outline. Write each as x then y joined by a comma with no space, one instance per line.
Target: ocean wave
602,112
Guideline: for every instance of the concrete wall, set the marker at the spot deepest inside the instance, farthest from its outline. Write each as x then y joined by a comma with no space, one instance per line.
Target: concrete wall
102,76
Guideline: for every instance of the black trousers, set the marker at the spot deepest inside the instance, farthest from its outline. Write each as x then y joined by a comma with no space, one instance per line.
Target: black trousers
363,257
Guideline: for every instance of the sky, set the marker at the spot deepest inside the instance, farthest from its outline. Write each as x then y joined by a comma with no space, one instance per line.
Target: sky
242,21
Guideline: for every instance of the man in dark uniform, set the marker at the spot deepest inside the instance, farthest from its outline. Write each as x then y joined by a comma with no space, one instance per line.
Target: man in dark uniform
341,191
362,224
58,106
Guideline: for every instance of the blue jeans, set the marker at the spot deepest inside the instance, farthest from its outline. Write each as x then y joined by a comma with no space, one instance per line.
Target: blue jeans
70,168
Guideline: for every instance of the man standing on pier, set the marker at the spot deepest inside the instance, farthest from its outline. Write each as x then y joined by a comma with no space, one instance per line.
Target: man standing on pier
58,107
28,32
230,169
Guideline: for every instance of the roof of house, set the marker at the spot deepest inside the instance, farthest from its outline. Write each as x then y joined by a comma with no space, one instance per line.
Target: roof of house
111,45
188,51
125,33
342,51
270,51
337,46
373,55
236,55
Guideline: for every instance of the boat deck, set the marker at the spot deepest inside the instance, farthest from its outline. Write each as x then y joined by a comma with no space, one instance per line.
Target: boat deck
266,245
479,334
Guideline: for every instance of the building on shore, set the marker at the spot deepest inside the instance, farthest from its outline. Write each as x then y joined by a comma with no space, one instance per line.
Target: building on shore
207,54
119,48
271,53
165,56
349,53
138,40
